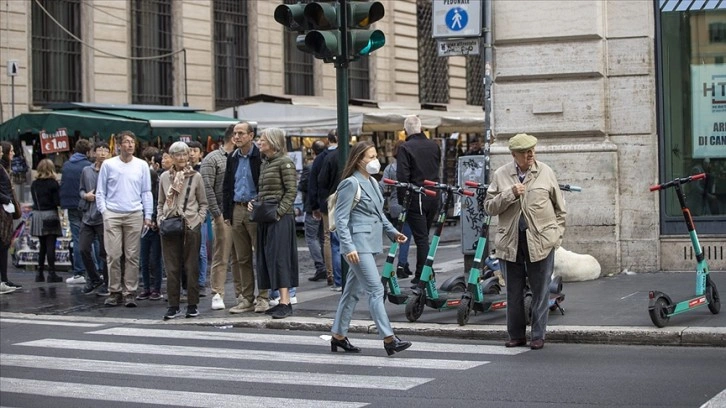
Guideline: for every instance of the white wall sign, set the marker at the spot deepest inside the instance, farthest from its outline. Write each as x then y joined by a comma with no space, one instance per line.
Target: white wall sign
456,18
464,46
13,68
708,111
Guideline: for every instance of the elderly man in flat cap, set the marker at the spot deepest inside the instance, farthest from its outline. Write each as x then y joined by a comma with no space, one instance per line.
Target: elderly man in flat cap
527,198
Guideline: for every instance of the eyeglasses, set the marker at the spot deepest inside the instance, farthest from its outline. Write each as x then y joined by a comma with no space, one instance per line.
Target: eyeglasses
128,142
179,155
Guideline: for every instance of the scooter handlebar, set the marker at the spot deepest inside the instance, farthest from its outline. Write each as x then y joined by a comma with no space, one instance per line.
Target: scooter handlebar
389,181
466,192
474,184
681,180
429,183
429,193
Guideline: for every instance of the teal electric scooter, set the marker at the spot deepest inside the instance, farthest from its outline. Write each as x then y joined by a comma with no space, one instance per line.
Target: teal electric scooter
388,276
661,307
425,292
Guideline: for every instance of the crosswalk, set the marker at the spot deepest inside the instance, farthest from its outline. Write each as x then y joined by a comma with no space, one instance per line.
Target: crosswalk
112,363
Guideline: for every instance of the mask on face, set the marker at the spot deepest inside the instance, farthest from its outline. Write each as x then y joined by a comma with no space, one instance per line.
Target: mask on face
373,166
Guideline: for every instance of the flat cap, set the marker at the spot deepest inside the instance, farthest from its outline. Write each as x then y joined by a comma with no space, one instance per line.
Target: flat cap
521,142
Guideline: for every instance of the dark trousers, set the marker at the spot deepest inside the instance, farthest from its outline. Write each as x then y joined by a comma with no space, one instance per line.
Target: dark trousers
539,275
181,255
150,262
4,262
47,248
87,235
420,221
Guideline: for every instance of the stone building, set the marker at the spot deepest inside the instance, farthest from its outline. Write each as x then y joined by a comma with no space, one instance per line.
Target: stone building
620,93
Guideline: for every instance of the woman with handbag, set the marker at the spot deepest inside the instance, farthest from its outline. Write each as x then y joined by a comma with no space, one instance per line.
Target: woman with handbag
7,198
277,263
45,223
360,225
181,210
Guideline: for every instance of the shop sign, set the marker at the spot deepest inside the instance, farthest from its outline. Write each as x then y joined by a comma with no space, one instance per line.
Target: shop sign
54,142
708,115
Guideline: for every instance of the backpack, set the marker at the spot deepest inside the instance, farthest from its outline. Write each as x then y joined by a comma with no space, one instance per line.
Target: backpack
18,165
331,206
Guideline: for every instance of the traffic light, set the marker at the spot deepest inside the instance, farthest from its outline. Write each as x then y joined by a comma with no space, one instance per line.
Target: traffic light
361,40
319,26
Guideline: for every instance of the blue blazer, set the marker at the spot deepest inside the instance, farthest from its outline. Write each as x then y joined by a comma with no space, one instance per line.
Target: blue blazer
360,228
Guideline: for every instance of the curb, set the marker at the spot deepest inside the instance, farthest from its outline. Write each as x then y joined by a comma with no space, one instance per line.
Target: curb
611,335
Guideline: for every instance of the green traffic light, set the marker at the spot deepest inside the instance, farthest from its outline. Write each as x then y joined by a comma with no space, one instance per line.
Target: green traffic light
363,42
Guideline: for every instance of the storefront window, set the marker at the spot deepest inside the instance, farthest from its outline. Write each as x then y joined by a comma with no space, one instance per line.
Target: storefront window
692,50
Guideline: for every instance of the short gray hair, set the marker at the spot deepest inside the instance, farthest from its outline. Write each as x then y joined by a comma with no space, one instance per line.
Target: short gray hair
275,138
412,125
178,147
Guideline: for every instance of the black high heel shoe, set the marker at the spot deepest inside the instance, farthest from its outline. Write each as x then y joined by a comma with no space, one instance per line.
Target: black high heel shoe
397,345
344,344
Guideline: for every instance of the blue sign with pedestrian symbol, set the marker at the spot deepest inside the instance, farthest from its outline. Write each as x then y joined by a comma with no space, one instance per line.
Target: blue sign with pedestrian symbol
456,19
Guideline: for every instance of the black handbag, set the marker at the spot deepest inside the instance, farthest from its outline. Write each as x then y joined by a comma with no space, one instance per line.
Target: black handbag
264,211
175,226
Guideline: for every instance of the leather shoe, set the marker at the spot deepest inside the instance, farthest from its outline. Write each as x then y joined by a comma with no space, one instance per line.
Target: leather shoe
318,276
401,272
344,344
395,346
515,343
536,344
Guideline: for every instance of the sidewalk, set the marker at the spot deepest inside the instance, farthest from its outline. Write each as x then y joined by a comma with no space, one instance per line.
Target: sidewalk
610,310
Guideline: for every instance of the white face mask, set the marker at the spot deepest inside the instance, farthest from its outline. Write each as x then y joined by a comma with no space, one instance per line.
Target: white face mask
373,166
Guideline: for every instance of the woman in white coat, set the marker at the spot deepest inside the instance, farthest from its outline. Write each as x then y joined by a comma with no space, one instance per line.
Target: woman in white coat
360,225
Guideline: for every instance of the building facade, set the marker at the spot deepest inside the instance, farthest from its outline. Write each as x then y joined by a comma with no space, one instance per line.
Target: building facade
621,93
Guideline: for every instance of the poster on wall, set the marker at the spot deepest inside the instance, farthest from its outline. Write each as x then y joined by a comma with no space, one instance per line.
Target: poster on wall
708,93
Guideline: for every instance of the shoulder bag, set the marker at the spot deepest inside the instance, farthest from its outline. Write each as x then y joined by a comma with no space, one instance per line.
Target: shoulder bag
175,226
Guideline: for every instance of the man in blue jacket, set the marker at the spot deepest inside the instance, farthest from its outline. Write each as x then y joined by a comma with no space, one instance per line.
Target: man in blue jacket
69,200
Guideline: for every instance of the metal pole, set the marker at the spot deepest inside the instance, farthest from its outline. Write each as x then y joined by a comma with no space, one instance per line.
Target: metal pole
186,93
341,85
487,83
12,97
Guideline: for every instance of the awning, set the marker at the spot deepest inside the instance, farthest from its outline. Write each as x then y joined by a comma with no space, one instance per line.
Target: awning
85,122
692,5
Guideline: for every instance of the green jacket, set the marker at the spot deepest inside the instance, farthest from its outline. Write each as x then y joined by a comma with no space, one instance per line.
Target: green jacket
542,205
278,179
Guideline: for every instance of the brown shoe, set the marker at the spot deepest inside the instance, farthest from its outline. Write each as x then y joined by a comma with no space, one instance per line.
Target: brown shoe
516,343
536,344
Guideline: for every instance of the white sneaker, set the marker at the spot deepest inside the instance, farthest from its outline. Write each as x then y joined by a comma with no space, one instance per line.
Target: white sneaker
274,302
293,300
76,280
217,302
6,289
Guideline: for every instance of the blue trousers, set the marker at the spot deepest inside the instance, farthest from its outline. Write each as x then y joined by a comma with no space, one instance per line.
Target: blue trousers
74,219
337,263
403,248
362,277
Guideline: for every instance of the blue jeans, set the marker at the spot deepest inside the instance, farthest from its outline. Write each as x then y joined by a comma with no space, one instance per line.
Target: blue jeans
150,260
337,264
74,219
314,240
276,293
203,259
403,249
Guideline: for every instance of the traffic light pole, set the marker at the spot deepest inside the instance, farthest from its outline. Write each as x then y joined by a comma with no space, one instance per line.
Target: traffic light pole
341,87
341,82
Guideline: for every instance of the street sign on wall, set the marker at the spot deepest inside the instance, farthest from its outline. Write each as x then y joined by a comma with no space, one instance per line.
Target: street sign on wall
464,46
456,18
54,142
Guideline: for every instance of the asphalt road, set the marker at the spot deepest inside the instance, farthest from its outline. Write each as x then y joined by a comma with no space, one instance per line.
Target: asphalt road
46,361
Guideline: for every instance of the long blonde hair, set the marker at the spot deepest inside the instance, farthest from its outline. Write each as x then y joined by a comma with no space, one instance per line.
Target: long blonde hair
46,169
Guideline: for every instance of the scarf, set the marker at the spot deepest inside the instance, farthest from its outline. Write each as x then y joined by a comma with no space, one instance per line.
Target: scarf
177,183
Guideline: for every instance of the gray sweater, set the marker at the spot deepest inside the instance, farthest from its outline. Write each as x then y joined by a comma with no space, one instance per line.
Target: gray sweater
91,215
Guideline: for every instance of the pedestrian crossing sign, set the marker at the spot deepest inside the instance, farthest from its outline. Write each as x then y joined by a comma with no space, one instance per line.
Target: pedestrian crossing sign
456,18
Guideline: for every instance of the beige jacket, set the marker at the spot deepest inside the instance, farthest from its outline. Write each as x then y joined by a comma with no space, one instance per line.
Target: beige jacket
544,211
196,206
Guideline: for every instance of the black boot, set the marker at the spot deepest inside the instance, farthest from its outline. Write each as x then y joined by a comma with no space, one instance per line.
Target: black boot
401,272
318,276
407,270
53,278
39,277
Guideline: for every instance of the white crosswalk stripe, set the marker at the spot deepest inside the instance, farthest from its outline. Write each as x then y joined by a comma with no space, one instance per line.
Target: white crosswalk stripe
119,353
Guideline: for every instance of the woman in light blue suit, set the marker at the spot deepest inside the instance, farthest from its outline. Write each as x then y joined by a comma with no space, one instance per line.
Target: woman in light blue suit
360,225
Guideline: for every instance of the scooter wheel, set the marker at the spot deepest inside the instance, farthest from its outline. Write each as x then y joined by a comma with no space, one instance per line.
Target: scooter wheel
659,312
528,309
415,307
714,301
463,311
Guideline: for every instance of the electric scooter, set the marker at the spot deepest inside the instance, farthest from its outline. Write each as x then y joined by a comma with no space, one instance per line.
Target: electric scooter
661,307
483,292
425,292
388,275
